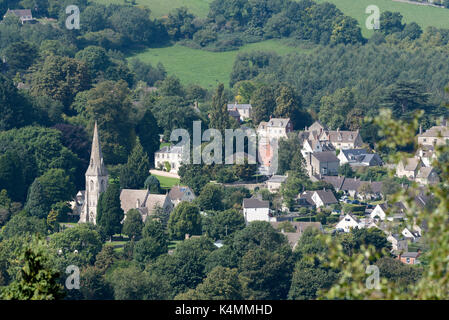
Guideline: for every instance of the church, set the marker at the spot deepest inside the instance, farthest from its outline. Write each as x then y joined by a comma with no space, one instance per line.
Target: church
85,204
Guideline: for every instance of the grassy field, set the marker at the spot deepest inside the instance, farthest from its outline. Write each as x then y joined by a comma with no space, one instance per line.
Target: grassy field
423,15
204,67
167,182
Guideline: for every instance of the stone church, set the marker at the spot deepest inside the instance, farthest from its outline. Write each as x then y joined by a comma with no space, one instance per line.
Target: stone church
86,201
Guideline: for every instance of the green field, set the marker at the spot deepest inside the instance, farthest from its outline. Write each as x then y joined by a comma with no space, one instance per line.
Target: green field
167,182
425,16
204,67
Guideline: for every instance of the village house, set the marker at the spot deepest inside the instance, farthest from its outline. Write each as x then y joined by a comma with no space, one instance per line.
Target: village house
318,198
322,163
178,194
398,243
384,211
409,257
427,175
348,222
275,182
427,154
300,227
354,187
409,168
242,110
256,210
359,158
24,15
410,235
275,128
145,202
435,136
171,155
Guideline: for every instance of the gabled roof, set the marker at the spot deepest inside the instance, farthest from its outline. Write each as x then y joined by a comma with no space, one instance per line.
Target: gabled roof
171,149
410,164
178,192
255,203
342,136
425,172
238,106
276,123
327,196
129,198
20,12
436,132
277,179
326,156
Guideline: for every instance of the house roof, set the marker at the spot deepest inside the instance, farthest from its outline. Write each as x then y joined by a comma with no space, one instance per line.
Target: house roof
342,136
238,106
425,172
277,179
255,203
316,126
354,152
326,156
234,113
410,255
435,132
276,123
178,192
129,198
327,196
170,149
411,164
20,12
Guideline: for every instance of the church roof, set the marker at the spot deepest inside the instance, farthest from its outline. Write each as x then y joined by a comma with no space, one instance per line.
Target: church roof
96,165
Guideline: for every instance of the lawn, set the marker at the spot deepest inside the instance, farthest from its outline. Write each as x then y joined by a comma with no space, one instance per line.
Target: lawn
423,15
167,182
204,67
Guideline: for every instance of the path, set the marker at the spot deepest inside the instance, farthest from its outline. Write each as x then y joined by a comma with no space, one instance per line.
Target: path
164,174
420,3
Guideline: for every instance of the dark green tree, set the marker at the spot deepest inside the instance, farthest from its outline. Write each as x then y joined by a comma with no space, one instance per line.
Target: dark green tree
109,211
185,219
133,225
134,173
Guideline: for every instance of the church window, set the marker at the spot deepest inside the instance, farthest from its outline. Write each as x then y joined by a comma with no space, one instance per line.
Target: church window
91,185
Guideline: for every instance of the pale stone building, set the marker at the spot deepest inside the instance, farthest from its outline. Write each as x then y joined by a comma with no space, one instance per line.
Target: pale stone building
243,110
437,135
145,202
170,154
96,182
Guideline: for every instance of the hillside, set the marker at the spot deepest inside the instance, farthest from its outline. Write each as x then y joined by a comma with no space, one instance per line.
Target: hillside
204,67
423,15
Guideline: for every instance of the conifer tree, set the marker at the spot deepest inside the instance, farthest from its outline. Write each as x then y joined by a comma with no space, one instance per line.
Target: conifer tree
109,211
134,173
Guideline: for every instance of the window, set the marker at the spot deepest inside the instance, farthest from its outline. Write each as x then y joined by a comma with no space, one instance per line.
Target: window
408,260
92,185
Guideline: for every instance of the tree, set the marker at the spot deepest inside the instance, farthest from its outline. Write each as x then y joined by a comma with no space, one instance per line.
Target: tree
60,78
95,58
37,203
22,225
221,284
109,211
12,178
334,108
210,197
148,132
288,105
111,111
403,97
219,116
289,156
179,24
93,285
134,173
391,22
185,219
221,224
346,30
20,56
147,249
152,184
133,224
345,170
37,280
244,171
105,258
263,102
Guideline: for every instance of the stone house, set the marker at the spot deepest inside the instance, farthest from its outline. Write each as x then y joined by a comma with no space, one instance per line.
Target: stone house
256,210
171,155
322,163
144,201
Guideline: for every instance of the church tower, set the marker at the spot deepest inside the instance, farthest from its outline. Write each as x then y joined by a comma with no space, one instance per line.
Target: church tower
96,181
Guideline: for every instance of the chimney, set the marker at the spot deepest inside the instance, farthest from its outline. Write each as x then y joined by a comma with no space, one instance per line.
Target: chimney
420,129
138,203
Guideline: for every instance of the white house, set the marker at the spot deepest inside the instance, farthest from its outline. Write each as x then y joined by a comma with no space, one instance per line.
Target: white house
256,210
398,243
359,158
171,155
348,222
275,128
409,234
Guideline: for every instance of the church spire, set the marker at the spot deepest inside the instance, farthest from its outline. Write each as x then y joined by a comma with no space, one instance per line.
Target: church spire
96,165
